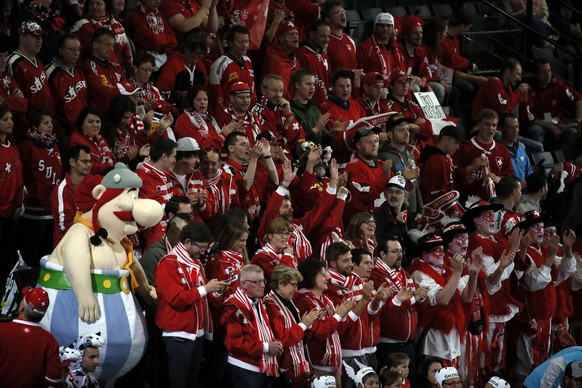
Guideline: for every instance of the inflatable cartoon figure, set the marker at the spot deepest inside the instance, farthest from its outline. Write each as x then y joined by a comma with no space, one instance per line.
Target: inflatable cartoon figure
91,275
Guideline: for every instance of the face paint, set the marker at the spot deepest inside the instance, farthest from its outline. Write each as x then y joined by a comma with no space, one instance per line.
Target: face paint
435,256
537,232
486,221
459,244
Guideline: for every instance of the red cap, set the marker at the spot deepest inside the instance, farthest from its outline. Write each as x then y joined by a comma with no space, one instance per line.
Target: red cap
285,27
399,75
409,22
372,78
573,172
240,88
36,299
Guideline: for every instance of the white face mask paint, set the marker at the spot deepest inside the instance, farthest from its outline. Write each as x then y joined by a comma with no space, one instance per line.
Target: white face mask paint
486,221
537,232
435,257
459,244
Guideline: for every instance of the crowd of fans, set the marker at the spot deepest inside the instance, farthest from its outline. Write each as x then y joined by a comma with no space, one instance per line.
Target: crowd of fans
334,234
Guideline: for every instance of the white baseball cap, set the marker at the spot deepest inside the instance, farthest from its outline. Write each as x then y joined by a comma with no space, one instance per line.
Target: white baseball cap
384,18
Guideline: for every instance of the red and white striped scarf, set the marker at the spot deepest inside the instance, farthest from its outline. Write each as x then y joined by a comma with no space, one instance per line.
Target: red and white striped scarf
153,19
329,239
235,263
102,147
126,137
201,121
268,364
396,275
333,352
348,286
278,258
195,278
219,192
301,245
300,366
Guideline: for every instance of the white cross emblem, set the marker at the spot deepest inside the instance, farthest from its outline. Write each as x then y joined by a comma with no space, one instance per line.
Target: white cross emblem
8,167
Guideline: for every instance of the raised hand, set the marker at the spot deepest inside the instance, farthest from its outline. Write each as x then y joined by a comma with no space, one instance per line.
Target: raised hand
420,293
457,262
506,259
515,239
344,308
289,173
309,317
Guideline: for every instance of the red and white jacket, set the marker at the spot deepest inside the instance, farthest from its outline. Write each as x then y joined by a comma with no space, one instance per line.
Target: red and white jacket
341,52
268,259
283,126
225,72
251,123
223,194
366,183
11,180
248,199
398,320
323,341
224,266
201,127
309,58
33,80
156,184
182,304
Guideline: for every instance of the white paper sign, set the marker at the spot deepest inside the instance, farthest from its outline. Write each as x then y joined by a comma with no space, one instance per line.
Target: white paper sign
433,111
445,73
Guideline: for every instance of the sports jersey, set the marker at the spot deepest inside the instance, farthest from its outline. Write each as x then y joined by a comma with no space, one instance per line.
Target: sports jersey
186,8
281,63
17,105
372,55
437,171
550,101
69,89
493,94
11,180
156,184
250,121
282,125
224,72
200,126
366,183
452,54
31,77
175,78
101,155
308,57
341,51
151,32
102,79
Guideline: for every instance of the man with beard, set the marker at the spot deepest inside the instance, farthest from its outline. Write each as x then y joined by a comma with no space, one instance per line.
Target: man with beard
381,53
357,343
509,137
275,112
63,198
392,217
341,48
239,111
367,176
311,55
280,205
399,317
280,56
539,270
395,151
437,164
233,66
497,263
442,321
481,163
499,93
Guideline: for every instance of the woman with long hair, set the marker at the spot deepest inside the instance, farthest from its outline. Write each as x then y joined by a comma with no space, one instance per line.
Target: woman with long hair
361,231
43,171
289,327
426,373
196,122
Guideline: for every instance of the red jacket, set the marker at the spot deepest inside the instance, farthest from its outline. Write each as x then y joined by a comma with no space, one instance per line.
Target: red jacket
32,79
365,183
285,127
553,100
437,173
224,266
398,320
226,71
150,31
18,105
102,79
342,142
182,302
101,156
281,63
384,59
11,180
156,184
452,54
250,121
323,340
493,94
201,127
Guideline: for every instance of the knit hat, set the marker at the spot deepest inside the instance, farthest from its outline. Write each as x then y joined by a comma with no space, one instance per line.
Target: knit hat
409,22
36,299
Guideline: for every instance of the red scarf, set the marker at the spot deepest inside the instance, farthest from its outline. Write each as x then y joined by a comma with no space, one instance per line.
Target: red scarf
201,121
220,194
278,258
301,366
153,19
268,364
103,150
301,245
347,286
395,275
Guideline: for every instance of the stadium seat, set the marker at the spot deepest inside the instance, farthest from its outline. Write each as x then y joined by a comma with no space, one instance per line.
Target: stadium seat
369,14
559,156
422,11
442,10
397,11
543,160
